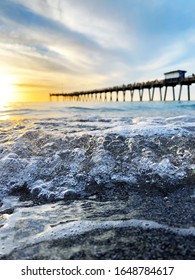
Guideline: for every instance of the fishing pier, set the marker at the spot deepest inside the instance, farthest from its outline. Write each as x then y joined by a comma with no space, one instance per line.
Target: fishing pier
150,88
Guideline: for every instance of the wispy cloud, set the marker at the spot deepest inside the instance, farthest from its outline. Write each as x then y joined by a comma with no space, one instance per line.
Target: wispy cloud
83,44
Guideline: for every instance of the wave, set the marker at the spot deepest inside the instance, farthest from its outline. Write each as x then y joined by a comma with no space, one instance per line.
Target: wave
56,161
77,228
113,109
18,111
186,106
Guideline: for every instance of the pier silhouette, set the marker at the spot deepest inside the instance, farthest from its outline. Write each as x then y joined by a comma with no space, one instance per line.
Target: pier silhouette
151,88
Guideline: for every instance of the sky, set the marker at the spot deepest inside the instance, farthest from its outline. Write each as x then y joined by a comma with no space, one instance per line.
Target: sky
69,45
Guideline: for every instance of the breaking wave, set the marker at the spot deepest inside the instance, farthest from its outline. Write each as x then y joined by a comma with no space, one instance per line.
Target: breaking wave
60,159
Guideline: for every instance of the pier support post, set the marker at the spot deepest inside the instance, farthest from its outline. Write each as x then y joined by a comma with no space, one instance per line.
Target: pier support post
105,96
160,89
141,91
149,94
188,92
132,93
173,93
111,96
153,90
180,91
124,95
165,96
117,95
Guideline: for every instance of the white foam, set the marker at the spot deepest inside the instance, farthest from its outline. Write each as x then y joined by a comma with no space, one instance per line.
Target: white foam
44,151
59,231
81,227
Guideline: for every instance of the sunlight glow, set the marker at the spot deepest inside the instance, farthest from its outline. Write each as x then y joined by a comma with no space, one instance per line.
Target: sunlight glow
7,88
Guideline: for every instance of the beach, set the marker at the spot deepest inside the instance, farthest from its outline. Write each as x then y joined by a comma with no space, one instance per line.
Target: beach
97,180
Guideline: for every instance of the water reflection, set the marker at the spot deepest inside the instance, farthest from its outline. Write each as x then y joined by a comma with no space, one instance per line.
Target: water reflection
3,110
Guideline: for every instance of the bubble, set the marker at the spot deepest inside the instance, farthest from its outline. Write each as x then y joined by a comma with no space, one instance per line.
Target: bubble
138,151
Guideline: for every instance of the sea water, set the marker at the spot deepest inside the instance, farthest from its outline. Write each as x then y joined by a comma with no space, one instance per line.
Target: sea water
100,180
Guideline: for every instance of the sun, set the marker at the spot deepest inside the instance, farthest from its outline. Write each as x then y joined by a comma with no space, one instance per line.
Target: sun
7,88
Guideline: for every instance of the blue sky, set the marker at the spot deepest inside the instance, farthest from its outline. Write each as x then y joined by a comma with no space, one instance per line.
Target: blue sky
52,45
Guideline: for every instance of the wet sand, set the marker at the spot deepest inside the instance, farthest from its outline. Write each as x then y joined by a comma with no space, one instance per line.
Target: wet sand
141,225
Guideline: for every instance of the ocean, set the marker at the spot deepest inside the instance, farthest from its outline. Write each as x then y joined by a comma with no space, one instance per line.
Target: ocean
104,180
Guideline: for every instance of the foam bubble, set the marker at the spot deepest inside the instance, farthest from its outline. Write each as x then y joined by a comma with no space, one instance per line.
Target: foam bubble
81,227
135,151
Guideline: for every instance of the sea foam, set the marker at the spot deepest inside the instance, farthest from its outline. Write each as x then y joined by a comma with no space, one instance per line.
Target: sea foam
46,160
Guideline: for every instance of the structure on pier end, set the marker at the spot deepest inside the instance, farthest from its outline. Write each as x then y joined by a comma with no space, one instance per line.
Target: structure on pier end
172,79
177,74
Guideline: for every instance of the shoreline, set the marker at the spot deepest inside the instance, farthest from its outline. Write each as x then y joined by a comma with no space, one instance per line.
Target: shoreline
141,226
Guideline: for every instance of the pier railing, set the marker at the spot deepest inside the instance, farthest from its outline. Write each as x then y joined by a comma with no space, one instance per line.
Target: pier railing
106,94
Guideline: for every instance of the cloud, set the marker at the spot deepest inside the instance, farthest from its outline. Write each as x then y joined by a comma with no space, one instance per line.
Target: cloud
63,51
96,19
95,43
